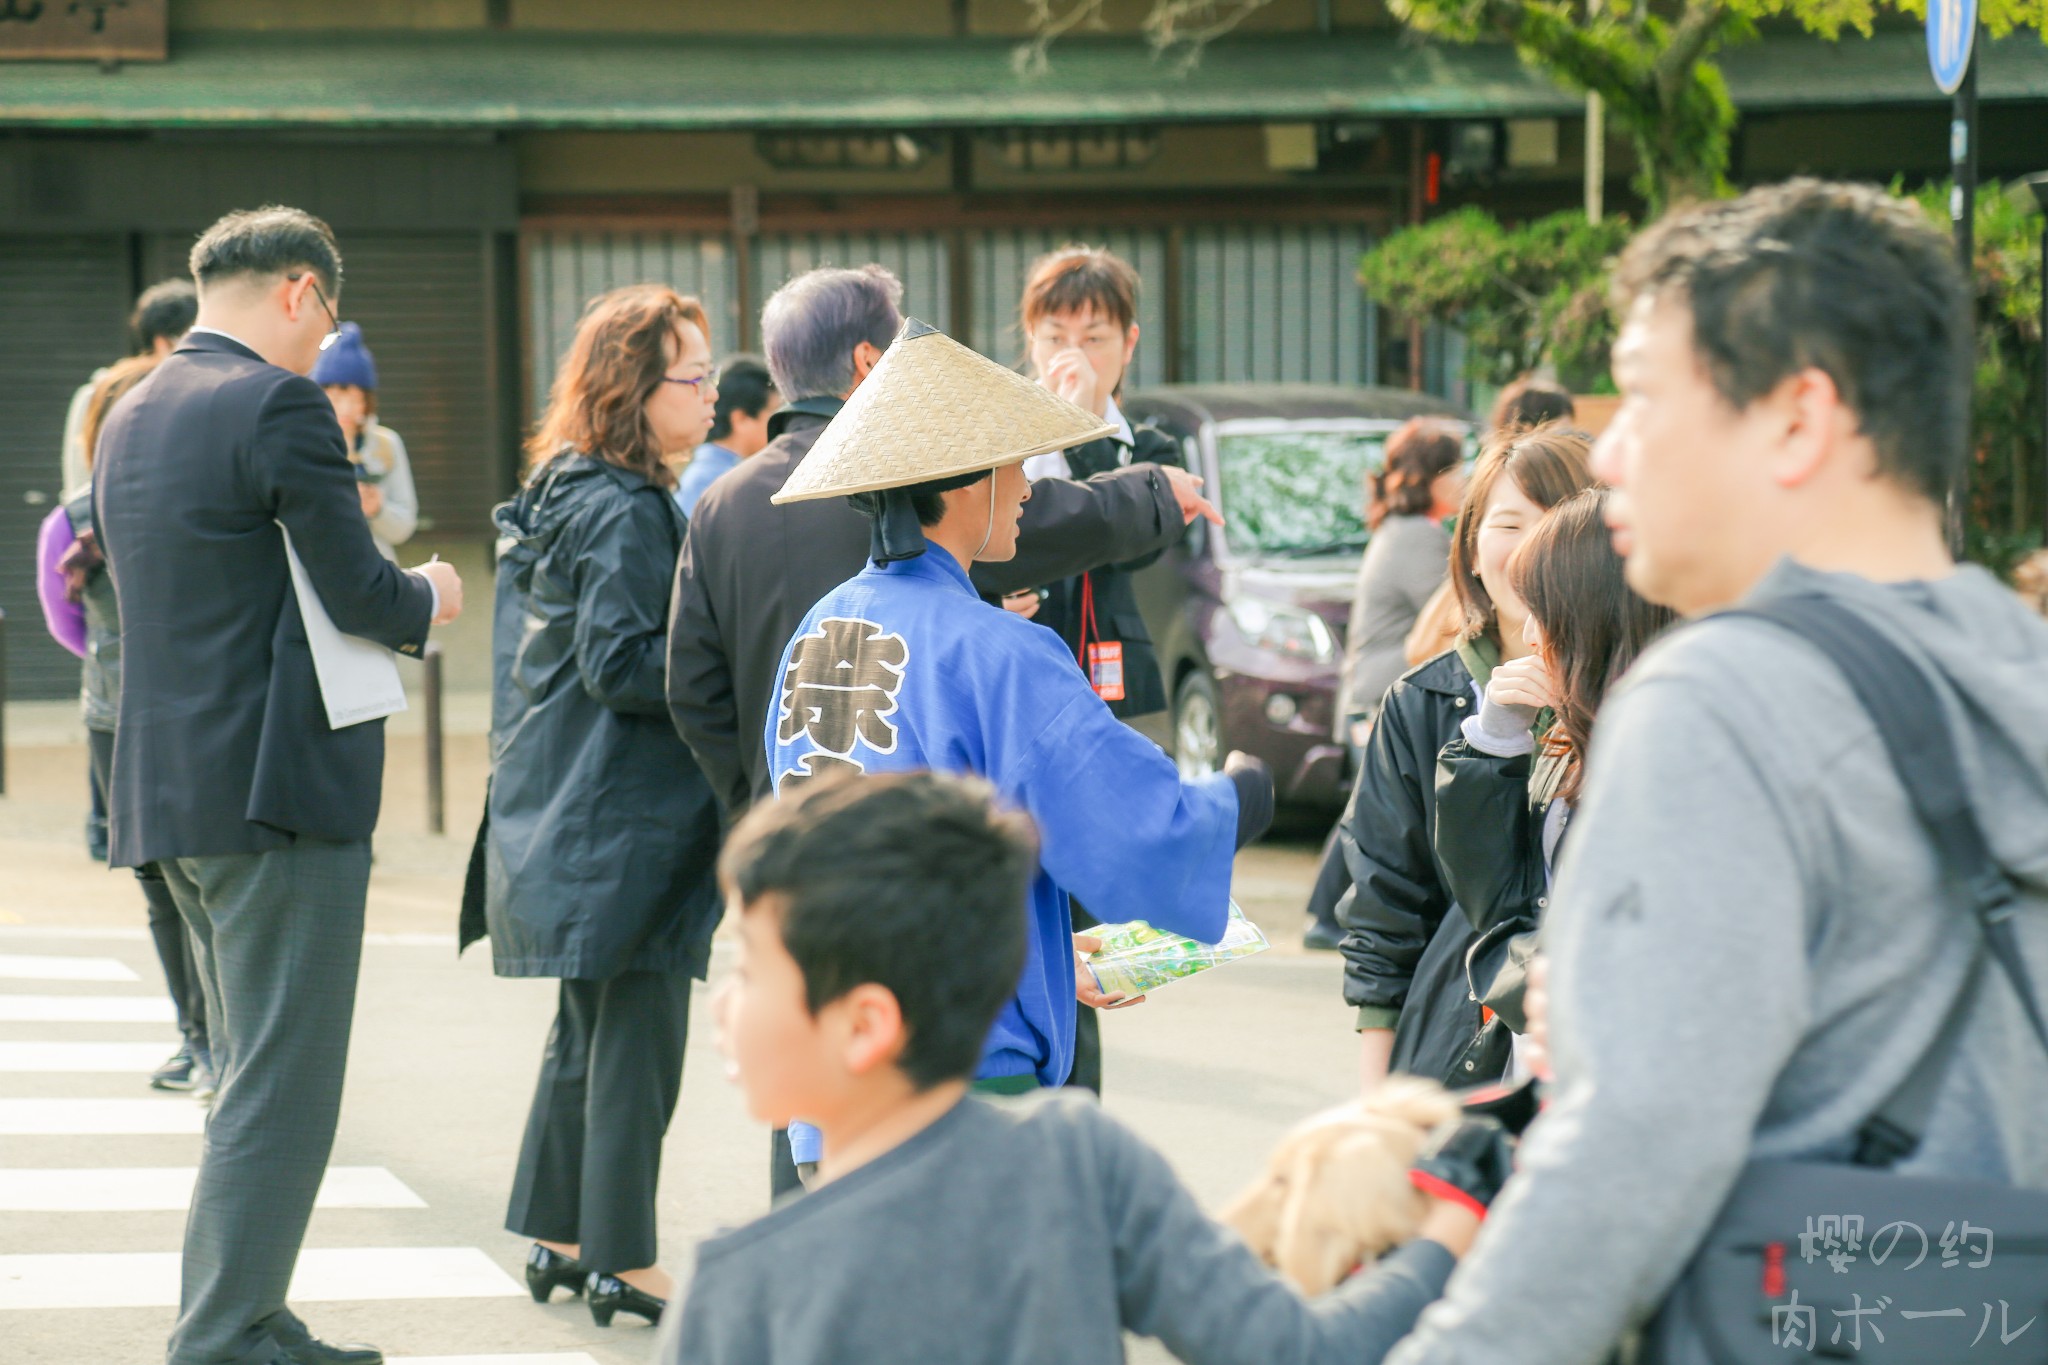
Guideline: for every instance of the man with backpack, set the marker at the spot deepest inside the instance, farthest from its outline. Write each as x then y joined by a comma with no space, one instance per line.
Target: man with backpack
1755,944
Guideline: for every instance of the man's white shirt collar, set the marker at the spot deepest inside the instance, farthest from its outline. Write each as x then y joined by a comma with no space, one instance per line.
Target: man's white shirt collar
1053,464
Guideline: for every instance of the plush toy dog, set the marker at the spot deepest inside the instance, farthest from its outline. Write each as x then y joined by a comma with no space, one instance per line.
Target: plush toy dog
1336,1192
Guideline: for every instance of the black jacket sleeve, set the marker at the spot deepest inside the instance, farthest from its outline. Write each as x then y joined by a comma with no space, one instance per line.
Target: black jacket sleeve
1490,842
622,590
699,686
1397,897
1498,971
1153,446
1486,836
299,466
1071,527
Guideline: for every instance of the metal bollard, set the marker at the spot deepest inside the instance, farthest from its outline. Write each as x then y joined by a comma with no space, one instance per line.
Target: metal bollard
436,814
3,701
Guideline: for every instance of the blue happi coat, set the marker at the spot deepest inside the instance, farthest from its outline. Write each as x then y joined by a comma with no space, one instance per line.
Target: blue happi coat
904,667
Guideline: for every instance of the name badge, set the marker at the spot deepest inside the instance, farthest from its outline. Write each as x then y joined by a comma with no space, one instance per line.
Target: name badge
1106,669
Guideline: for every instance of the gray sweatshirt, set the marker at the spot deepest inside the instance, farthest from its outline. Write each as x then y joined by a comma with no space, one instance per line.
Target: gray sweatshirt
1406,561
1031,1233
1750,951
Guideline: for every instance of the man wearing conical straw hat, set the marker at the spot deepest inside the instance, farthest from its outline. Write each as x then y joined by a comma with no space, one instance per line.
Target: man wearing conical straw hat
903,667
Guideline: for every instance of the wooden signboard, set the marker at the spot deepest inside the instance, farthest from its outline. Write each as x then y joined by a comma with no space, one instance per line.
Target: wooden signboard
83,30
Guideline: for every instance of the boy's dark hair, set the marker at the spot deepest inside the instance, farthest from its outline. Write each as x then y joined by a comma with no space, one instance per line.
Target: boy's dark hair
743,386
912,881
1842,278
166,309
1529,402
272,240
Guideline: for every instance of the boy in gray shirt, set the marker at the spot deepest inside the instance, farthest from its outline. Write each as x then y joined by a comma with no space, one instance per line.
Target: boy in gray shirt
882,928
1751,944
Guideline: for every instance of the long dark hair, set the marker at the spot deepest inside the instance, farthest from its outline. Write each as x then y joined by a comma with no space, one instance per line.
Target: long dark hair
599,402
1594,626
1418,453
1548,465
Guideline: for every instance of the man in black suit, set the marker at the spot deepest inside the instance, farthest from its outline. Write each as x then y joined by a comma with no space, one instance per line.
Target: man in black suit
226,773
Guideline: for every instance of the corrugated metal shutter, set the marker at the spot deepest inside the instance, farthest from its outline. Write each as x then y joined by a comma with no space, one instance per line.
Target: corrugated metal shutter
64,305
1269,304
421,299
921,260
567,269
1001,259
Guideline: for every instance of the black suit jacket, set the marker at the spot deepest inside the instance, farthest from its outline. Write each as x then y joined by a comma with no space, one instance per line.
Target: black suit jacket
1117,618
222,743
750,571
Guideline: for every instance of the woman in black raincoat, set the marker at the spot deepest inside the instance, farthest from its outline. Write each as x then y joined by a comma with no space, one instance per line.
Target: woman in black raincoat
601,836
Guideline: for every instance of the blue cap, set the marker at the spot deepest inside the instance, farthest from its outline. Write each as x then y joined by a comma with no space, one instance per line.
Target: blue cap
347,361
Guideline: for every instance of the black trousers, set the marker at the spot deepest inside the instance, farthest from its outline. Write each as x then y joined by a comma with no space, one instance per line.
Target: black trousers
173,940
1333,879
608,1084
1087,1072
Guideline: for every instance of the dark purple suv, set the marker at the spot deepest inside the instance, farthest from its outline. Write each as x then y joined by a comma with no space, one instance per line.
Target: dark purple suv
1249,620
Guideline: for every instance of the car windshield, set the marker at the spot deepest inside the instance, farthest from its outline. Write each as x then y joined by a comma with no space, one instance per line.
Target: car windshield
1297,492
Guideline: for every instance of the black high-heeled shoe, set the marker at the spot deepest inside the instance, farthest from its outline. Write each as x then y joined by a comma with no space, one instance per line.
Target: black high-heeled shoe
548,1270
608,1294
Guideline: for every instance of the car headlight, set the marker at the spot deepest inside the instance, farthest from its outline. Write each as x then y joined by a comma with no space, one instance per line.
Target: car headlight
1292,631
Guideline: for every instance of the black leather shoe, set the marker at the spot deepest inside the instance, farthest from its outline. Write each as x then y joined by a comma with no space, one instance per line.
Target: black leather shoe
313,1351
609,1294
548,1270
300,1347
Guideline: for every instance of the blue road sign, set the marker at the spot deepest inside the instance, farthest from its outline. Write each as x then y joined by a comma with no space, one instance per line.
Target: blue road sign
1951,28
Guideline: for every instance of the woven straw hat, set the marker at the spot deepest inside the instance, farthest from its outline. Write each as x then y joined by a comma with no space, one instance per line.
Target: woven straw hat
933,409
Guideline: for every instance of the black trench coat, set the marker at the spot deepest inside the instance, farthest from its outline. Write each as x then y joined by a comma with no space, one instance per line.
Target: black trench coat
600,843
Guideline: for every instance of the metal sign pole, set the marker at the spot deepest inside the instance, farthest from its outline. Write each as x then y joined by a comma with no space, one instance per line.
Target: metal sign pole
1962,149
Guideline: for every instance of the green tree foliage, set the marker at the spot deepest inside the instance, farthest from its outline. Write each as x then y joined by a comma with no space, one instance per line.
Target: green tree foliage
1522,295
1654,67
2007,482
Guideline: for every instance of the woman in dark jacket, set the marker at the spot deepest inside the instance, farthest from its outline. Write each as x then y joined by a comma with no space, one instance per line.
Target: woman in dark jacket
1504,796
82,580
601,835
1404,953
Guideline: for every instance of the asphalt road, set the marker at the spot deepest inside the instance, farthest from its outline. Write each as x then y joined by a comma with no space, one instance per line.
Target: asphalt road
408,1249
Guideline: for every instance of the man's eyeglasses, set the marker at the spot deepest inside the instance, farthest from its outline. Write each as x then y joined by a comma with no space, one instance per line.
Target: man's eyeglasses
709,376
334,323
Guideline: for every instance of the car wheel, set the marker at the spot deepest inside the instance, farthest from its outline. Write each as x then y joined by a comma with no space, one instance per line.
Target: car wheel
1197,727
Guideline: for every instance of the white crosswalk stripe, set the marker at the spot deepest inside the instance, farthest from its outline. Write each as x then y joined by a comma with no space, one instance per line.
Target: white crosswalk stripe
142,1058
98,1118
127,1133
42,967
139,1190
149,1279
86,1009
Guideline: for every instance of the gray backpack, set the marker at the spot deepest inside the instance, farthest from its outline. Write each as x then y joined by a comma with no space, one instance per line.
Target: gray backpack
1855,1261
